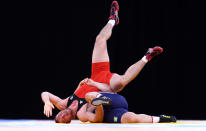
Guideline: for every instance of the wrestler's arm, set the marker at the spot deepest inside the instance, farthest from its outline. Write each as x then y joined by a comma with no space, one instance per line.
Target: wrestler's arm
84,81
86,113
50,100
101,86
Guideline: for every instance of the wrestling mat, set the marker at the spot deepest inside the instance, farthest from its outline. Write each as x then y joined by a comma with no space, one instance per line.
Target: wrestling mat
50,125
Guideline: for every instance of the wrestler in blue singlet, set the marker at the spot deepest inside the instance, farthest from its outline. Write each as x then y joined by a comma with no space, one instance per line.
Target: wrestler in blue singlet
114,112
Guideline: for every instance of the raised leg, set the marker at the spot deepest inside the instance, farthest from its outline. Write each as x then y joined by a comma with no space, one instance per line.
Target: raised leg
100,53
118,82
132,72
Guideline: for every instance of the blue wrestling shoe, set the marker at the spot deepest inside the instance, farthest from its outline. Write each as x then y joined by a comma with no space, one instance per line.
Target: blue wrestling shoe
102,100
164,119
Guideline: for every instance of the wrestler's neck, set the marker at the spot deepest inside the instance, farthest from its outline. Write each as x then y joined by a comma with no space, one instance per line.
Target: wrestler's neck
74,107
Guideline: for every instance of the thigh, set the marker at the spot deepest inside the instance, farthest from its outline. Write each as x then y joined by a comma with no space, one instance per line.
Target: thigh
128,117
114,115
100,53
116,83
131,117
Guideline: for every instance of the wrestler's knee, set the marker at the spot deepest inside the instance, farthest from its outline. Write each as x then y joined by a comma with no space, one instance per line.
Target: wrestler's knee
128,117
116,83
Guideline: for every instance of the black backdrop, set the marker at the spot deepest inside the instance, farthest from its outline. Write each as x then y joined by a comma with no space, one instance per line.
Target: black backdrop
51,46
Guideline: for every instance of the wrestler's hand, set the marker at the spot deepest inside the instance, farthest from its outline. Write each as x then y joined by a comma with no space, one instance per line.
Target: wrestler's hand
90,82
83,81
48,106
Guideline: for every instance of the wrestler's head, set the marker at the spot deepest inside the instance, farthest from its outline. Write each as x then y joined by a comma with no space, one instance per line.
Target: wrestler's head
64,116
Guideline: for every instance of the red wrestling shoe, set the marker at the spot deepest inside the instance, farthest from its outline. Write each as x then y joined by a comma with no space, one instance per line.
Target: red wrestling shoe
152,52
114,12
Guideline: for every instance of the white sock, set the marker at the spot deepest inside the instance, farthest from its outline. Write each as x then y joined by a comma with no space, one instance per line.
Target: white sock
144,59
156,119
112,22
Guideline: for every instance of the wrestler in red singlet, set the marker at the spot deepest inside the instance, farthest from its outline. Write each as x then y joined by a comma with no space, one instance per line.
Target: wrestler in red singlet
100,73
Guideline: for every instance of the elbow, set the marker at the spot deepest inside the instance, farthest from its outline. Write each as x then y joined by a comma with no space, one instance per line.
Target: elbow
99,120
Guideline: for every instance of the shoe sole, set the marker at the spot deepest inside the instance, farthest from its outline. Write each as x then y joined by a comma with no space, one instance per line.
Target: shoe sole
100,102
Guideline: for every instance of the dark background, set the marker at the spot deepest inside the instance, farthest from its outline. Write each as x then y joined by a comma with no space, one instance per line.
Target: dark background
48,47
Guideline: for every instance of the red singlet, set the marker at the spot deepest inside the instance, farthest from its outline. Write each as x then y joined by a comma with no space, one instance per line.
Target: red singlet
100,73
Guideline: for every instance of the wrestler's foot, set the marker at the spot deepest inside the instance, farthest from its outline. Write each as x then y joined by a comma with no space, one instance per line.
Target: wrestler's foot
164,119
102,100
114,12
152,52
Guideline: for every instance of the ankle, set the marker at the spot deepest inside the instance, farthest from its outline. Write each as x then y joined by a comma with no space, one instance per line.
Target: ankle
155,119
144,59
112,22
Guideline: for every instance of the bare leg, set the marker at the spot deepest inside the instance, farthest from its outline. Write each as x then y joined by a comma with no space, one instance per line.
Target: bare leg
118,82
132,72
100,53
131,117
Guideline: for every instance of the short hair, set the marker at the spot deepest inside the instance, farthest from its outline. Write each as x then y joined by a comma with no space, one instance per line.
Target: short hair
64,116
